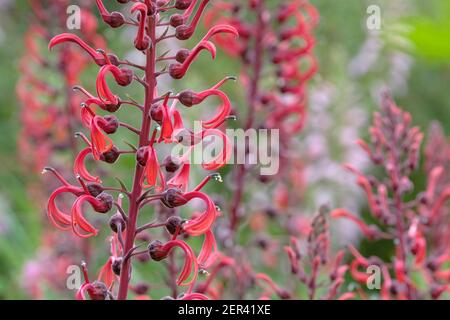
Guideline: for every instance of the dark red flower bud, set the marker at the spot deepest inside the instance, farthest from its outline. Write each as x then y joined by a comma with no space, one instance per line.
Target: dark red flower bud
155,250
110,156
173,197
182,4
111,125
98,291
125,77
116,221
183,32
94,188
111,107
171,164
156,112
106,201
176,20
173,224
189,98
113,59
142,156
182,55
116,265
123,1
115,19
176,70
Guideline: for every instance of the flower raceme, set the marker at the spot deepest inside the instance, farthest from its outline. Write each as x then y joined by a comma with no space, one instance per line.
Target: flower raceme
155,178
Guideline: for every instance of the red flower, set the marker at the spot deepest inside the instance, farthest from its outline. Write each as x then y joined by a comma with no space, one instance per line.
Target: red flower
359,261
58,218
178,70
67,37
160,251
190,98
371,232
79,168
208,250
141,42
201,224
102,204
98,127
153,170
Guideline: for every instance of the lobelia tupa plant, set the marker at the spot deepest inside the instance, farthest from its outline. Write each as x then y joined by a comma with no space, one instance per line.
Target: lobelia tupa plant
416,227
49,116
156,179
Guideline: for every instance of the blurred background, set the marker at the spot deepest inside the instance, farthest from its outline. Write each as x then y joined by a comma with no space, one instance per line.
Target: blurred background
409,55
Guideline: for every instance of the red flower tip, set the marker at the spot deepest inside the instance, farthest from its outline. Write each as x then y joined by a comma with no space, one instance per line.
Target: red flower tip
58,218
371,232
190,98
181,179
207,255
178,70
201,224
222,28
159,251
153,171
79,167
142,41
184,32
113,19
102,204
67,37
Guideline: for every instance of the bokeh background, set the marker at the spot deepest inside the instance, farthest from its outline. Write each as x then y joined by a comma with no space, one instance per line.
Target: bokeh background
410,55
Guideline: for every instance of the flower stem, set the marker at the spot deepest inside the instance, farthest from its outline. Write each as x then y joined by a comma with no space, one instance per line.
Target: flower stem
139,170
251,101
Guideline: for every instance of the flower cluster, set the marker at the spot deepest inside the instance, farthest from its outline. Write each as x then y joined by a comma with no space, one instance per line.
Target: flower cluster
155,179
417,228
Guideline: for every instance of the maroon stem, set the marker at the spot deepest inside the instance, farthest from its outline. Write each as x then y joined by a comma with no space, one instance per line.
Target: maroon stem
139,170
252,99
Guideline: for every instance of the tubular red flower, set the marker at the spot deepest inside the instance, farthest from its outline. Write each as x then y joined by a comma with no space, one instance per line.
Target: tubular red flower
207,253
356,263
190,263
106,275
369,231
103,91
181,179
141,42
81,292
79,167
190,98
114,19
100,142
153,171
201,224
78,220
224,156
184,32
219,29
67,37
58,218
178,70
